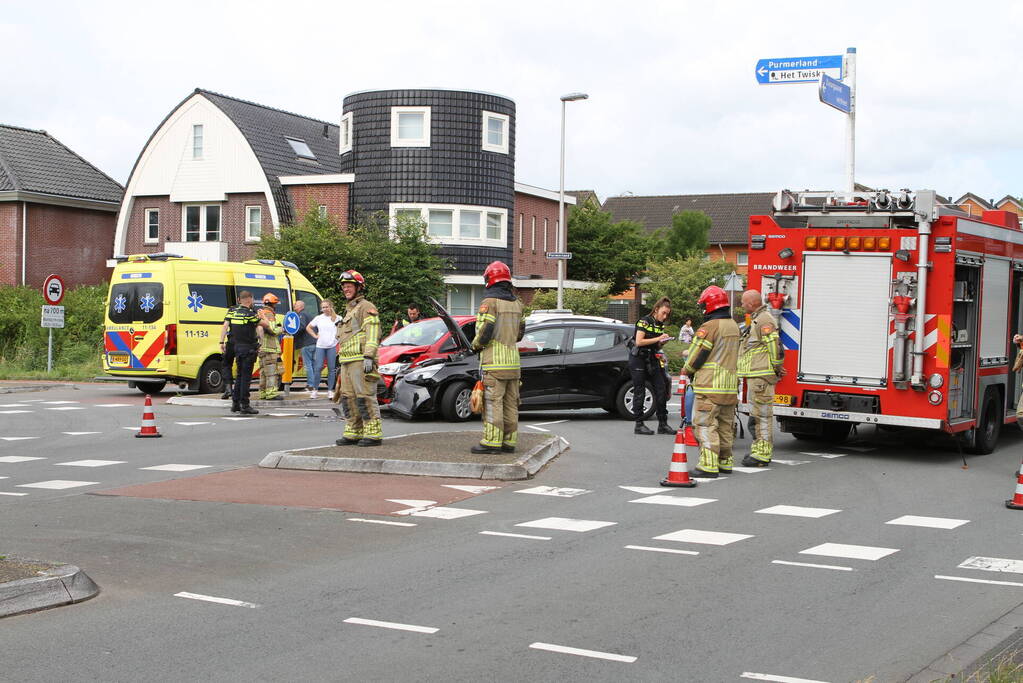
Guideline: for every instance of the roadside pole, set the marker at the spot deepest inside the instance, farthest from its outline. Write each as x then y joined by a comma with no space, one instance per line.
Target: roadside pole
291,325
850,123
52,313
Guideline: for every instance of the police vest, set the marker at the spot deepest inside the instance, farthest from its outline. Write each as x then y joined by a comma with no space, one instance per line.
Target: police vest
761,348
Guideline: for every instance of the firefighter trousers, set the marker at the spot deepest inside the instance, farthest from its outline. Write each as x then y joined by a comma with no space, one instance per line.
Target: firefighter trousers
715,430
500,409
760,392
358,399
269,373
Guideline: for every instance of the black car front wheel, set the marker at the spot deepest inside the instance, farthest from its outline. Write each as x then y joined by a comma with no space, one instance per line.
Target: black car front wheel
454,403
623,401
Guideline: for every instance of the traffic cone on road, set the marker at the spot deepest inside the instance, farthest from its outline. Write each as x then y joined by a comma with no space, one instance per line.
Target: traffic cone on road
148,430
1017,500
678,470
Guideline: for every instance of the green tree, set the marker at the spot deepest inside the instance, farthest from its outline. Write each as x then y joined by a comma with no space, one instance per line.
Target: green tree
687,235
603,251
579,301
682,280
399,264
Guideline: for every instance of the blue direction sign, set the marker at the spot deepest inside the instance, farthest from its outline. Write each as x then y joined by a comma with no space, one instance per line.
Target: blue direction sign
798,69
292,322
835,94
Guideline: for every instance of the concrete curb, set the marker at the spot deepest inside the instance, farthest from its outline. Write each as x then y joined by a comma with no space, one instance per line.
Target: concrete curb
15,389
524,467
63,585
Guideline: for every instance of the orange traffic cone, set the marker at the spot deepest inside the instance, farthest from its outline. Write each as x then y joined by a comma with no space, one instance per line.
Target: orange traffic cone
678,470
1017,500
148,430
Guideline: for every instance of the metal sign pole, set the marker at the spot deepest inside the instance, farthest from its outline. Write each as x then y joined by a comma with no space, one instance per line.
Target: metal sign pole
850,123
49,353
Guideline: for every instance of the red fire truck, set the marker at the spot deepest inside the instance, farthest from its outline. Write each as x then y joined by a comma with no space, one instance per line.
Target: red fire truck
894,311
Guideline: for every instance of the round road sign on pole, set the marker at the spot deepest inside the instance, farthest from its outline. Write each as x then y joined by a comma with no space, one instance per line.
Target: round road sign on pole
53,290
292,322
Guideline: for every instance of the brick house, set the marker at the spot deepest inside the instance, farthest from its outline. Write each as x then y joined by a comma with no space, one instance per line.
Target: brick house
57,211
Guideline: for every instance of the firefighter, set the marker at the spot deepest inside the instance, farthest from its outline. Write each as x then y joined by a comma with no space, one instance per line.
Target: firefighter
711,367
1016,367
499,327
760,364
246,333
270,351
645,365
358,337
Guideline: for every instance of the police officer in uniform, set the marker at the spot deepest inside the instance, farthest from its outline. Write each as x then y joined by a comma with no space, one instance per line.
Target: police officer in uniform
499,327
270,351
358,337
760,364
645,365
711,366
243,325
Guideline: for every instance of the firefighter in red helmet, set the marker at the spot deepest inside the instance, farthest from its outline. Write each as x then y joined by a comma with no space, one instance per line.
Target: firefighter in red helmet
712,369
358,335
499,327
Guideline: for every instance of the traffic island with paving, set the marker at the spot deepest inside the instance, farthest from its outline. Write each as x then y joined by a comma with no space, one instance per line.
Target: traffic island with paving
438,454
30,585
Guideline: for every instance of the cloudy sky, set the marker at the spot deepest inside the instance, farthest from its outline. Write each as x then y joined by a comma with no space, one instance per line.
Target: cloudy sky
674,105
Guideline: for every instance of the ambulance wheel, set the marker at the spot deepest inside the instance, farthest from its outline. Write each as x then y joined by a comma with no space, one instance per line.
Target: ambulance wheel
151,387
211,381
985,435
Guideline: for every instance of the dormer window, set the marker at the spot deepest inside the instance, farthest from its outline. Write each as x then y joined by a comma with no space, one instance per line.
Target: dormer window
495,132
301,148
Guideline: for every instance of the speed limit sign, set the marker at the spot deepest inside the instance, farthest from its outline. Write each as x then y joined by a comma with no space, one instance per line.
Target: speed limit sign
53,290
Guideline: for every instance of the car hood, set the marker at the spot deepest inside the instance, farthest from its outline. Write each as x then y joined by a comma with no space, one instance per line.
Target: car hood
390,354
454,328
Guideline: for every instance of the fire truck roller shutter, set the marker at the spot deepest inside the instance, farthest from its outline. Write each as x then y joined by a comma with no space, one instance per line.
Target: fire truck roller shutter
994,325
845,317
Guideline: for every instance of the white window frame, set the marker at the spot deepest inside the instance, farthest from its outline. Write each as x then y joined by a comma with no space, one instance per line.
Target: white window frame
198,140
249,237
532,227
202,222
456,209
346,133
145,227
521,218
545,236
506,124
321,210
742,258
420,142
298,153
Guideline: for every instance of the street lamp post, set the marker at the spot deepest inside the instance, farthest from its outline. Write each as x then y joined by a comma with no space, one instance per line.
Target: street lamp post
562,228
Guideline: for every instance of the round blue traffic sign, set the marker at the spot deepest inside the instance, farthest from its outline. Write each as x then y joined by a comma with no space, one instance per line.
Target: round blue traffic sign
292,322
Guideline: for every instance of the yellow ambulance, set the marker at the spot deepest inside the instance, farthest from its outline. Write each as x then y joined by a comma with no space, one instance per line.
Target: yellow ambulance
164,313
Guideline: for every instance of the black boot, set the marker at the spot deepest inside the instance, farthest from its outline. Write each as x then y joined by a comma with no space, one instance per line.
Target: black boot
345,441
505,448
750,461
642,429
369,442
235,408
480,449
227,392
665,428
701,474
246,409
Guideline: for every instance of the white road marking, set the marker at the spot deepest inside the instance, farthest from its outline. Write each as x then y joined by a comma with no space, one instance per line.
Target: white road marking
18,458
79,433
4,477
5,493
58,403
282,414
791,462
778,679
993,564
412,504
14,405
67,408
797,511
175,468
503,533
236,419
32,400
969,580
583,653
814,566
470,489
91,463
391,624
554,491
18,438
663,550
15,412
132,429
446,513
566,524
57,484
553,422
931,522
539,429
113,405
750,470
380,521
826,455
220,601
687,502
852,552
645,490
192,424
706,537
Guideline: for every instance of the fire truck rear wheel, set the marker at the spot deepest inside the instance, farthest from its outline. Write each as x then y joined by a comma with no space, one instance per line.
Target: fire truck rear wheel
831,432
989,426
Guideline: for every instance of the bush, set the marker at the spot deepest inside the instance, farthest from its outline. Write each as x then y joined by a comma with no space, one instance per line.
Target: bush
579,301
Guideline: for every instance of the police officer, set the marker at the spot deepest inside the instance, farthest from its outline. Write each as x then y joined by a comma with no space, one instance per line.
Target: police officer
760,364
358,337
711,365
499,327
243,325
645,365
414,316
270,351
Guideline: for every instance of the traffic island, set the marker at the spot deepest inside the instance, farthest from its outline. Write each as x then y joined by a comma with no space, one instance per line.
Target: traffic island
29,586
436,454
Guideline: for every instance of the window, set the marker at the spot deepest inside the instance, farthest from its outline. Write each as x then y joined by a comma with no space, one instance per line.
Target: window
301,148
547,341
587,339
520,232
322,210
259,291
202,223
533,231
469,224
253,223
346,133
135,303
439,223
460,300
197,141
212,296
742,258
312,302
495,221
410,126
152,226
456,224
545,235
495,132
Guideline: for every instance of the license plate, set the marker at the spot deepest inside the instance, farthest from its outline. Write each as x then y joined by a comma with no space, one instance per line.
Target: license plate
117,358
782,400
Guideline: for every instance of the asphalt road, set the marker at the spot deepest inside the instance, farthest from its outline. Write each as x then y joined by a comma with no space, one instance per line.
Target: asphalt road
498,585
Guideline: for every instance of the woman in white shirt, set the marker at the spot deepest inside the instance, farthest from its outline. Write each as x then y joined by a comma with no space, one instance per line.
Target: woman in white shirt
323,328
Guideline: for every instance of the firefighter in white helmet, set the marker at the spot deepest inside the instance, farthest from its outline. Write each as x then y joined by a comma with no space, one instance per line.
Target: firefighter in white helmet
760,364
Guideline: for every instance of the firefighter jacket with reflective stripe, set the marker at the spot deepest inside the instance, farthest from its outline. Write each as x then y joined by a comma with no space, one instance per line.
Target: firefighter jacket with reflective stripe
1018,365
761,354
498,330
271,343
358,332
713,358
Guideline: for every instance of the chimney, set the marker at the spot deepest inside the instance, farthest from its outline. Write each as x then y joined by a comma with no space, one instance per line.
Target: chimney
326,131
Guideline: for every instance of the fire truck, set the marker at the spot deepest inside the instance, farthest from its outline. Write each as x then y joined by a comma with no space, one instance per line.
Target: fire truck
894,310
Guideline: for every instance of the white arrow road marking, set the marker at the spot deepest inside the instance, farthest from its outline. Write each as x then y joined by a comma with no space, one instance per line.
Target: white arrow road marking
210,598
993,564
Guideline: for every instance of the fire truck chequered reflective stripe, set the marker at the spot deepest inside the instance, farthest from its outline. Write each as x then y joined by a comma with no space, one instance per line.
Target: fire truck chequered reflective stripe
790,329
